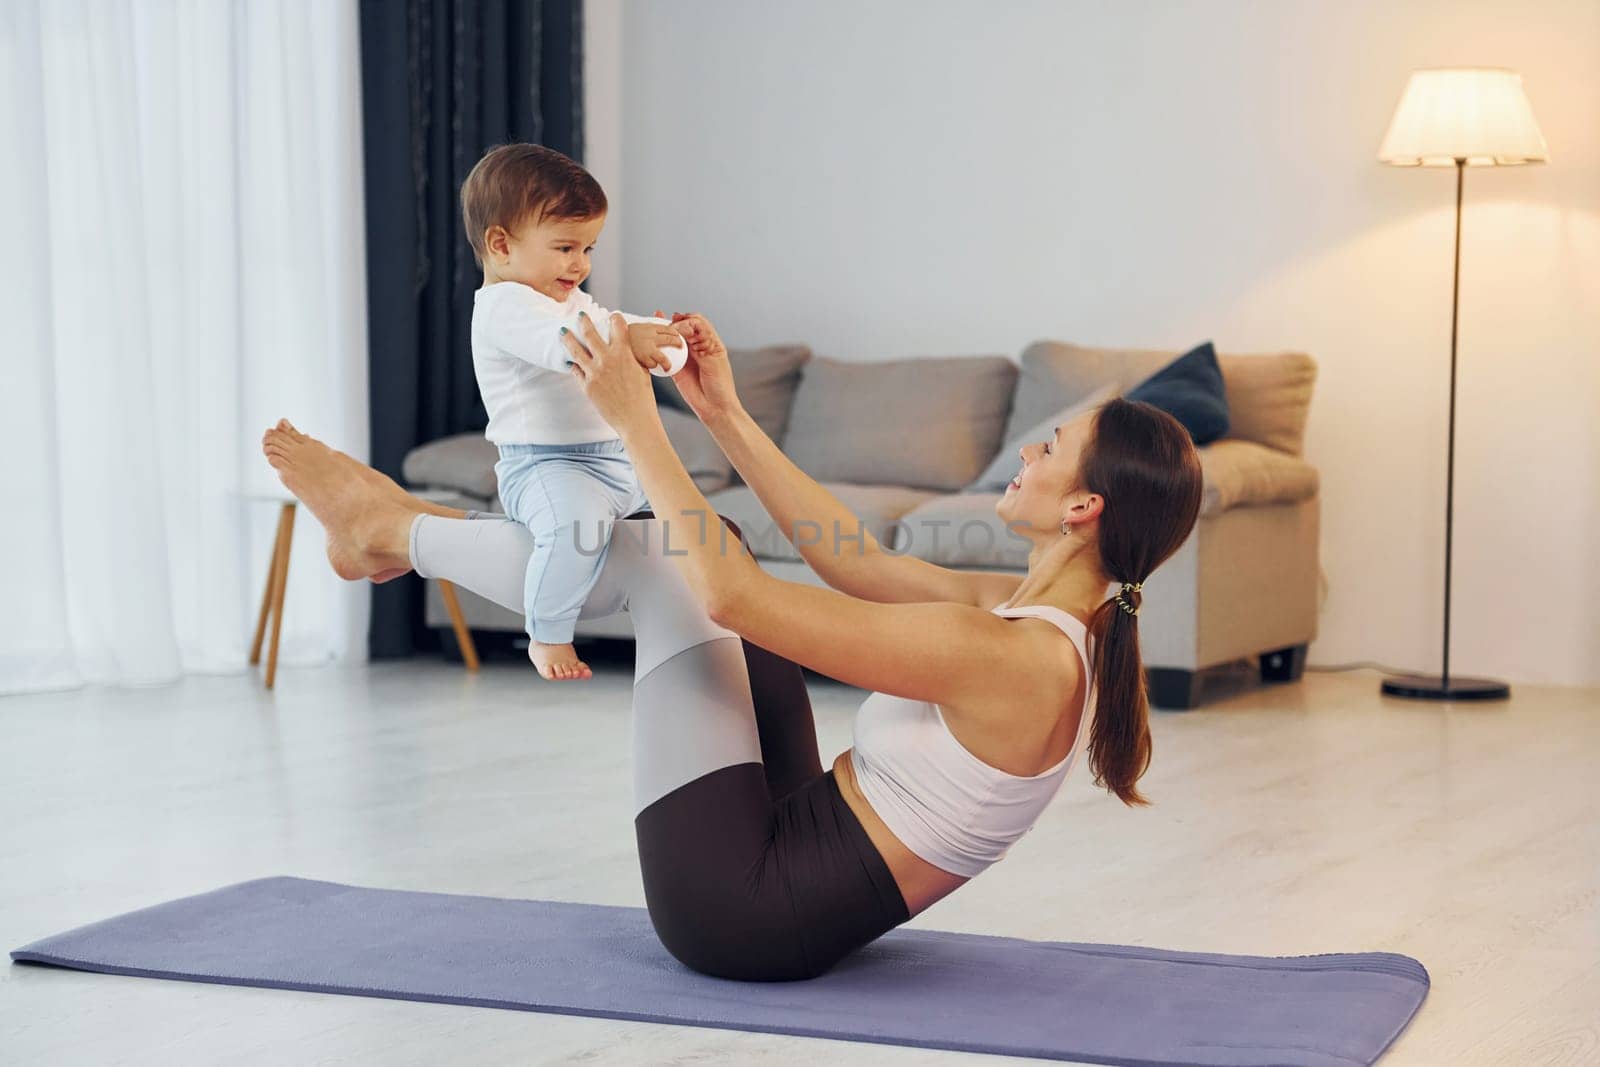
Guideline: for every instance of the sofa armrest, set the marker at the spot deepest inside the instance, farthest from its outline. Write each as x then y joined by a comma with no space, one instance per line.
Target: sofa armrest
1240,473
463,461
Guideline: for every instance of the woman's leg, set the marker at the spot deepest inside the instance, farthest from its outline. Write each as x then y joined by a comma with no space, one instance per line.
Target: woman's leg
693,712
483,556
373,533
753,866
737,884
784,719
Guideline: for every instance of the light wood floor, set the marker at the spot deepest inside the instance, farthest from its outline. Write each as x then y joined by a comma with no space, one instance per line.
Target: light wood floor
1311,818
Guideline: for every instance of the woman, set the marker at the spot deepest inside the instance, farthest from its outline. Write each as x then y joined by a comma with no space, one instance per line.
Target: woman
757,865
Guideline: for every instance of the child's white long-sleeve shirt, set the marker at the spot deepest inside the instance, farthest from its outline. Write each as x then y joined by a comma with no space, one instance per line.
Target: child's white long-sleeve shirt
521,365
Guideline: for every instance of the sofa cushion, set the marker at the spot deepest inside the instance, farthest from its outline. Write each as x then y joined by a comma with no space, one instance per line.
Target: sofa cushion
463,461
701,455
931,423
1190,390
765,379
877,506
1007,463
961,530
1240,473
1269,396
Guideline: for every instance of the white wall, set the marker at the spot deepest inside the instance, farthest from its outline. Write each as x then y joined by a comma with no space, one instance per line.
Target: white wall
602,139
892,179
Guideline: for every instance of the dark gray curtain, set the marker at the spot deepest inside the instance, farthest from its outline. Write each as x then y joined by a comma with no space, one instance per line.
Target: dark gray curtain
443,80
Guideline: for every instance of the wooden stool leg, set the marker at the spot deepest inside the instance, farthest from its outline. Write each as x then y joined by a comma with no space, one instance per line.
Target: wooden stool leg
469,651
266,596
280,583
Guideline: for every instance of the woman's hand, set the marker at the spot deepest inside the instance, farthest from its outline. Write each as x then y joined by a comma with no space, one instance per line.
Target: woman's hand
706,380
612,378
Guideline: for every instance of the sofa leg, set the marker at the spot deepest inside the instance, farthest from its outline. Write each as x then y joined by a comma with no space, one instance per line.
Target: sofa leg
1173,690
1283,664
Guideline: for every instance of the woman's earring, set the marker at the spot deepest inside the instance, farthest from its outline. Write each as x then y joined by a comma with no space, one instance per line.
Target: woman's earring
1066,530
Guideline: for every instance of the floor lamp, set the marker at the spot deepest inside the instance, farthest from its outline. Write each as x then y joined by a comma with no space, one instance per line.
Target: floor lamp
1462,117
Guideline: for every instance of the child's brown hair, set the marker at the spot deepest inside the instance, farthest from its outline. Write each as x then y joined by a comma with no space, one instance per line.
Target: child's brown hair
515,182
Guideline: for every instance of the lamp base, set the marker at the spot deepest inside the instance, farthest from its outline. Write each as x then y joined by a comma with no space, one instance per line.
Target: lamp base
1432,687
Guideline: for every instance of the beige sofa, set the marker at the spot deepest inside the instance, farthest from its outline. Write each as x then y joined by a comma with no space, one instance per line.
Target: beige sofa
905,444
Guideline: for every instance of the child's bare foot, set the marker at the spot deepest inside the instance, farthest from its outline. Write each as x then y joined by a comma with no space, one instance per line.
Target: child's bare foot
558,663
367,523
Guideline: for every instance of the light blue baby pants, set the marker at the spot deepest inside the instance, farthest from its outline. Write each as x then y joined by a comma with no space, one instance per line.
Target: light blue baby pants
567,496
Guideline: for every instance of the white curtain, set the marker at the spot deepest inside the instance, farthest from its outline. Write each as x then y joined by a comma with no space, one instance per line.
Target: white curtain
181,263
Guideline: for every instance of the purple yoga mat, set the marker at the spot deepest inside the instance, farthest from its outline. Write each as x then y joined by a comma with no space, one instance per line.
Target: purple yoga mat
1057,1000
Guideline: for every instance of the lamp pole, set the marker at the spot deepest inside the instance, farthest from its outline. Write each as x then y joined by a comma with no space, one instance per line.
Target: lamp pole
1450,467
1426,687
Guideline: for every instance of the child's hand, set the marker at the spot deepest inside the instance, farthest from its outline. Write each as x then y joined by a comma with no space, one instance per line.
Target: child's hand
689,325
706,381
647,339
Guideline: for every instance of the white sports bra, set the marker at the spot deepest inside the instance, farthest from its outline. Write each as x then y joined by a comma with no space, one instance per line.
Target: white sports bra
947,805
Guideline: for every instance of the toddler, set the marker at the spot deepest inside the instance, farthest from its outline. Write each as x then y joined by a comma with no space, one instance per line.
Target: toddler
533,216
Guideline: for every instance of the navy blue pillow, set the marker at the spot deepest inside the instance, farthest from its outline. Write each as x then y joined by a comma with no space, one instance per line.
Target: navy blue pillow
1190,390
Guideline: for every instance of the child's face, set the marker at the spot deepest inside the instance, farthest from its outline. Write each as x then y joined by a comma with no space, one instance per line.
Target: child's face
551,256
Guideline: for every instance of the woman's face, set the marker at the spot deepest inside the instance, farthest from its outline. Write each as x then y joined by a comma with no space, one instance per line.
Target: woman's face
1044,492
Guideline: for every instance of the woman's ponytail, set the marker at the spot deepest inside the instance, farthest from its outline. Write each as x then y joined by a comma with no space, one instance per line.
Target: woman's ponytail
1143,463
1119,742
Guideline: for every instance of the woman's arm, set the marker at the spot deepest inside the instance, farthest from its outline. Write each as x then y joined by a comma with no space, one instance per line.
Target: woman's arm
834,541
713,563
830,539
947,653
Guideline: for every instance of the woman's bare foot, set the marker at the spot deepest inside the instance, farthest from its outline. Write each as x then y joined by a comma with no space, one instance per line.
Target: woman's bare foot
378,480
558,663
381,483
367,517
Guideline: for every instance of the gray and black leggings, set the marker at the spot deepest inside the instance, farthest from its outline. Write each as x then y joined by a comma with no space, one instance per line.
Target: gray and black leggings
754,867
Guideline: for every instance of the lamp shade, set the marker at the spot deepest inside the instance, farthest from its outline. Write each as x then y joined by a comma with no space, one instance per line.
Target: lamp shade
1479,114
